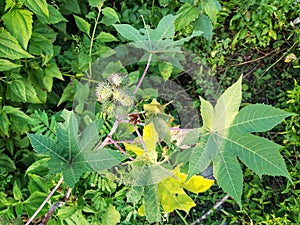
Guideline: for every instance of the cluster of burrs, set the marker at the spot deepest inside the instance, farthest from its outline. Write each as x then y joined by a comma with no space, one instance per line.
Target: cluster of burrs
113,96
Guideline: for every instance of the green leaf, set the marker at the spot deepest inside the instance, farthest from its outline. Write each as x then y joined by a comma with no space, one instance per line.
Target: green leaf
16,112
51,71
257,153
73,154
110,16
6,163
21,90
6,65
203,23
4,124
10,48
152,204
203,154
258,118
103,159
211,8
111,216
70,7
54,16
229,175
37,183
19,23
106,37
129,32
135,194
207,114
227,107
34,201
39,45
45,145
17,192
95,3
160,39
40,8
225,137
187,13
273,34
165,70
39,167
83,25
69,92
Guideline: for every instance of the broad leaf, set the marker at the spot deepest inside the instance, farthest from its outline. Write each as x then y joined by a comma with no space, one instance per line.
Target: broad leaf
54,16
110,16
187,13
6,65
19,23
156,40
211,8
40,8
6,164
10,48
72,154
21,90
171,193
83,25
225,136
204,24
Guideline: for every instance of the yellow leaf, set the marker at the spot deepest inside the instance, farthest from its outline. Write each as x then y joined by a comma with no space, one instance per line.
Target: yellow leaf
198,184
135,149
172,196
171,193
141,210
290,58
154,108
150,137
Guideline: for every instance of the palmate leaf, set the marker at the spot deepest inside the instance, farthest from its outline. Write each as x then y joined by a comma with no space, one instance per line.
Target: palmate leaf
72,154
155,40
226,136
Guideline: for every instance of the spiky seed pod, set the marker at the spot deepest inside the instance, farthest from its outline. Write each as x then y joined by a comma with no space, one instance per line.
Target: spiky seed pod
118,95
122,98
116,79
108,107
103,92
127,101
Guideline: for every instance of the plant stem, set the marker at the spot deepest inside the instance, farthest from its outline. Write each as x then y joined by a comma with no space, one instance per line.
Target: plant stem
109,136
140,137
112,141
144,74
93,38
277,61
181,217
45,201
217,205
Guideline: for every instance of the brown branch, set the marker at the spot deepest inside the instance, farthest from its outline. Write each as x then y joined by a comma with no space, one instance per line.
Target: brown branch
45,201
217,205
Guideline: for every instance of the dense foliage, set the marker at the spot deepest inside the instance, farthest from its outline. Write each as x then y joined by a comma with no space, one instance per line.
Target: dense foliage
61,96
